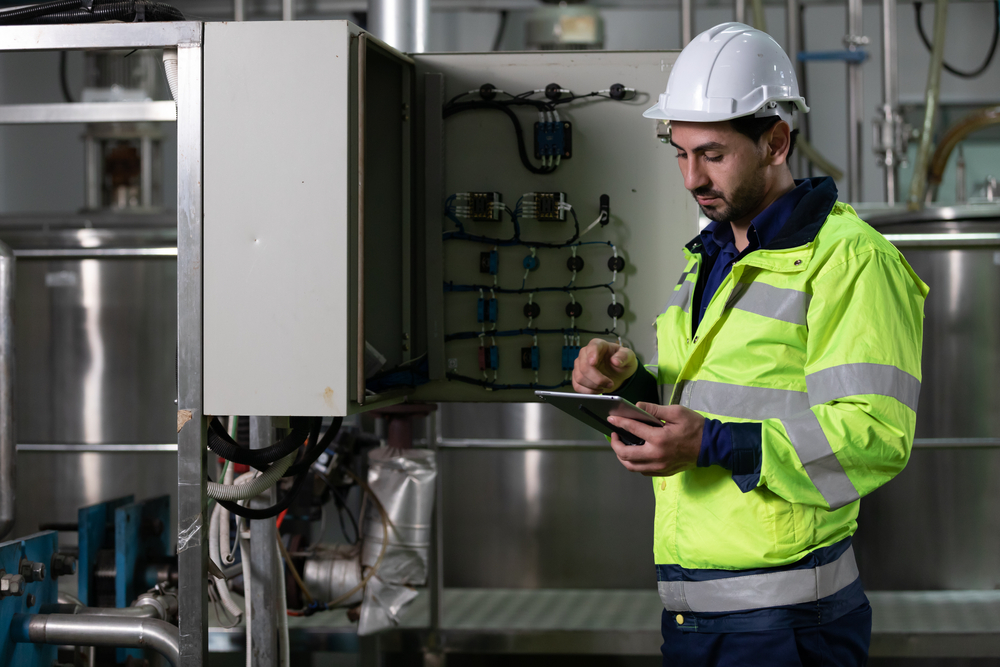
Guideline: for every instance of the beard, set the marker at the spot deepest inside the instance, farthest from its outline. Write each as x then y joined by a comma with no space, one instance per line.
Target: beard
743,200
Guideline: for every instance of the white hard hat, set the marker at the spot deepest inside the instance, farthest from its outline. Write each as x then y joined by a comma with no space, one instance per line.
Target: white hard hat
729,71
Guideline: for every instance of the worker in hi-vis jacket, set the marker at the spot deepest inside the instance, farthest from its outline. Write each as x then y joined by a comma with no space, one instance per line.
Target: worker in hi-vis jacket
786,377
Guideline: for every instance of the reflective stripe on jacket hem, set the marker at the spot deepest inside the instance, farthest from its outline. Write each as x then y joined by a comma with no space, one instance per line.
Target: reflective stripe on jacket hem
760,591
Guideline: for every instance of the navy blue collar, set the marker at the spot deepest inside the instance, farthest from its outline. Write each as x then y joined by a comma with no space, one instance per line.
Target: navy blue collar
764,228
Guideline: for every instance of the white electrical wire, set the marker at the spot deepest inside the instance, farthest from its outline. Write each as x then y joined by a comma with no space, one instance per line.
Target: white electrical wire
286,655
213,552
245,556
234,492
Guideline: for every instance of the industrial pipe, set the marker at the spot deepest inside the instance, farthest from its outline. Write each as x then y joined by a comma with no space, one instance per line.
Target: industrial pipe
891,120
919,182
975,121
8,464
402,24
113,631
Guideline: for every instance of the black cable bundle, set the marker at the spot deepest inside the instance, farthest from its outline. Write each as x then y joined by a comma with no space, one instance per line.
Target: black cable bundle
91,11
917,6
222,444
300,470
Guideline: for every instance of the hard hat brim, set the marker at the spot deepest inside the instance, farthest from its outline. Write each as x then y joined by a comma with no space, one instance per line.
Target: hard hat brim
686,115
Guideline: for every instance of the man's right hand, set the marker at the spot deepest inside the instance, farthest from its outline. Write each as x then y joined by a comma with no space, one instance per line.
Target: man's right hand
602,367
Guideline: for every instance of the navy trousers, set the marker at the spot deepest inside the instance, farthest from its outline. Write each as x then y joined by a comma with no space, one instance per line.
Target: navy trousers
840,643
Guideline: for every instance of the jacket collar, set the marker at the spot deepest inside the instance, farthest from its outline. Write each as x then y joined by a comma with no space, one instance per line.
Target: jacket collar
803,224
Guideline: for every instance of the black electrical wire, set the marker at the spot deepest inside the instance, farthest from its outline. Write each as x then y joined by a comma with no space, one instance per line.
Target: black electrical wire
222,444
497,387
120,10
342,508
312,453
505,108
67,97
27,14
917,7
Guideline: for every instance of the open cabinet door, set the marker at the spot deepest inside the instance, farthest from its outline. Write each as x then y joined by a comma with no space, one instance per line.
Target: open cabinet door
307,216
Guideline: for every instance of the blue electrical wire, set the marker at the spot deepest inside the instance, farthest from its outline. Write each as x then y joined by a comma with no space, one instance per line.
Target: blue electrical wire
469,335
452,287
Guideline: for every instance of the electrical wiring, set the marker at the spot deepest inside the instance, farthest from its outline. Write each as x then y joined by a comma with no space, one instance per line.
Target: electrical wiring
495,386
253,488
295,573
301,469
452,287
220,442
342,508
214,541
522,151
917,9
247,588
285,659
572,331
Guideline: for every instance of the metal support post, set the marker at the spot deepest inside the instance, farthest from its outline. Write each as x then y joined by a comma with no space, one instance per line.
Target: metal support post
263,564
892,140
287,10
239,10
855,100
687,22
402,24
740,11
192,438
793,45
435,571
8,437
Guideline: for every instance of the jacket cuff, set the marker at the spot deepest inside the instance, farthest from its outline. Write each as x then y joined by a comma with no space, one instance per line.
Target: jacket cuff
716,445
640,387
746,439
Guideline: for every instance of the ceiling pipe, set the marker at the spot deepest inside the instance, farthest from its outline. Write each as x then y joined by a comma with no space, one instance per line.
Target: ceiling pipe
402,24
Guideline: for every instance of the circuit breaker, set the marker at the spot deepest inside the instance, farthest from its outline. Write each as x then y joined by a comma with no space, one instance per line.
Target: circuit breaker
440,227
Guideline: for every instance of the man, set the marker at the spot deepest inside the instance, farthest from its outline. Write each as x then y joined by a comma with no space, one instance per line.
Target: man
787,376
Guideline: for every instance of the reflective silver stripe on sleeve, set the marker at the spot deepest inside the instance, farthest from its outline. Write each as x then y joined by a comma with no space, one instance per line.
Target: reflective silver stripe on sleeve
760,591
838,382
818,459
743,402
665,391
680,297
787,305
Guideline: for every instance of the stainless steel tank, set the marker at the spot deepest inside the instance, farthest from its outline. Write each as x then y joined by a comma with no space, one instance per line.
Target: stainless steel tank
934,526
96,321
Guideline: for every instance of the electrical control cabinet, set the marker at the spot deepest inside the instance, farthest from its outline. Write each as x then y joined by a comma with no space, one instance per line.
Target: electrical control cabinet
307,216
381,227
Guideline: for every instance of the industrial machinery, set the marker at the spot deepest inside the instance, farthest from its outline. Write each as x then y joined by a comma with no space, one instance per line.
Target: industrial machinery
401,231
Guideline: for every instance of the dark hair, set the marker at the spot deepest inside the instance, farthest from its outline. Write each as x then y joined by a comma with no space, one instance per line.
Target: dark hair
754,128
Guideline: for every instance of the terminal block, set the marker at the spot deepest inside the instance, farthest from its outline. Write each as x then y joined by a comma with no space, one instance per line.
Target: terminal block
569,355
554,139
487,310
483,206
531,358
489,262
544,206
489,358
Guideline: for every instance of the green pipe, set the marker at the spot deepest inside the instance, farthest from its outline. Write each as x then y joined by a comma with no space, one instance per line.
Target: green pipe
918,184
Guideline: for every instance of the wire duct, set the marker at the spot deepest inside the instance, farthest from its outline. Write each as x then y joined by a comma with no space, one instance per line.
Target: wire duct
299,470
253,488
222,444
74,11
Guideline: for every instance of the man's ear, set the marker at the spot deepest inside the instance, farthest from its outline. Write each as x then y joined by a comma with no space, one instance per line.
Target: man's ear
778,141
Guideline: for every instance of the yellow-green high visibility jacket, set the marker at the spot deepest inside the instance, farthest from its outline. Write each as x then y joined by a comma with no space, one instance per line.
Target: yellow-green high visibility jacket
810,349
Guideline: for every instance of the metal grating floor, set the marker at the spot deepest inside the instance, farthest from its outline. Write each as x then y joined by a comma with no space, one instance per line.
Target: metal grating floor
906,623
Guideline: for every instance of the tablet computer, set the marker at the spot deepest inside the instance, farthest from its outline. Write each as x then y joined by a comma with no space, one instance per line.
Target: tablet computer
594,410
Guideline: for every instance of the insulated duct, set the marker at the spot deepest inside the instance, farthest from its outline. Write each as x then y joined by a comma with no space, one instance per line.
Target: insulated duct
401,24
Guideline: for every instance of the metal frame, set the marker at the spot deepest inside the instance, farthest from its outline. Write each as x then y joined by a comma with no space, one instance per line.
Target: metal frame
192,438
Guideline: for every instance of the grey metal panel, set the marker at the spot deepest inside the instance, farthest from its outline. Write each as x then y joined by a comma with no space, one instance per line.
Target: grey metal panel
276,212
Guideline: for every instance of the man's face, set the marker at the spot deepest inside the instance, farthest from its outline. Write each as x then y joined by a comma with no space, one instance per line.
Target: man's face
722,168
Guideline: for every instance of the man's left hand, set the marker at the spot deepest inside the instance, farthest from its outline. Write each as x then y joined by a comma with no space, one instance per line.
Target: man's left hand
669,449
